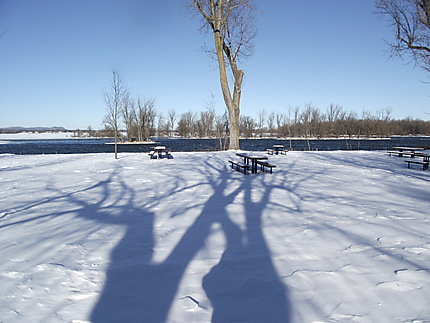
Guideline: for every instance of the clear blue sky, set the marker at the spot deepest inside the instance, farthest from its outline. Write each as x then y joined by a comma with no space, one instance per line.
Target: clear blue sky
57,56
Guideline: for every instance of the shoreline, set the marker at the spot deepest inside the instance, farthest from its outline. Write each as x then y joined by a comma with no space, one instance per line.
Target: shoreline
132,143
68,135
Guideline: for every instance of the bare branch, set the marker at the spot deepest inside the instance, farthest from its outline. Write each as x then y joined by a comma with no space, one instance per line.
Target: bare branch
116,98
411,21
3,33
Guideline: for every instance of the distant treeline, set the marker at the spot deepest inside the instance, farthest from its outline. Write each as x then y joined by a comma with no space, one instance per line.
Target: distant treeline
336,122
142,121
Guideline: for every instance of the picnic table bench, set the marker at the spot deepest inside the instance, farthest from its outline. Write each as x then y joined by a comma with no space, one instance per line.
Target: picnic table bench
411,149
152,154
270,151
424,162
264,164
405,151
239,166
401,153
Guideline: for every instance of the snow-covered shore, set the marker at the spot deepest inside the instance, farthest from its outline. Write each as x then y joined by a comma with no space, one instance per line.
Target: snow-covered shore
329,236
36,135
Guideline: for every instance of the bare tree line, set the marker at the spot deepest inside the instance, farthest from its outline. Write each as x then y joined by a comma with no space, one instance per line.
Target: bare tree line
141,121
129,119
335,122
136,119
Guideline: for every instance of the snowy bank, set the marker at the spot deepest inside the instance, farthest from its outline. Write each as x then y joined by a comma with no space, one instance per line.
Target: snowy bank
36,135
329,236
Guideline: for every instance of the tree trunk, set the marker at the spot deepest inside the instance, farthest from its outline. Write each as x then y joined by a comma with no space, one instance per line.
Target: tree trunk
234,128
116,143
232,103
232,24
116,148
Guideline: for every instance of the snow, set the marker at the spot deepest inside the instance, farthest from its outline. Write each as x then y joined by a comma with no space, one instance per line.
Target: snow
337,236
36,135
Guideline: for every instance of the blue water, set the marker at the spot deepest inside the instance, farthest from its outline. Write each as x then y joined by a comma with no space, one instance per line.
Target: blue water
79,146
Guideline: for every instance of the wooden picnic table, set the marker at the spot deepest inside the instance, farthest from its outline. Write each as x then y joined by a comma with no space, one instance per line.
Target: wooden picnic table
405,151
411,149
159,150
426,157
422,154
253,158
277,148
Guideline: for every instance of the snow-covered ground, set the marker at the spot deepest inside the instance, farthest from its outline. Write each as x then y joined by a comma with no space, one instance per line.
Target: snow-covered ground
329,236
36,135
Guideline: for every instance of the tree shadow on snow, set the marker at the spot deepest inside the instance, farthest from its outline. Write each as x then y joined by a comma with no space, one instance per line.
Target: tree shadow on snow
259,295
244,285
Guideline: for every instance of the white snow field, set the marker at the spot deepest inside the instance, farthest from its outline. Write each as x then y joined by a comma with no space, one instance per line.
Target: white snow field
339,236
36,136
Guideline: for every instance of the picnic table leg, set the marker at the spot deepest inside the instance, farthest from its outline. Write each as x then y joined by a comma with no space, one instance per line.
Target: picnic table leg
254,167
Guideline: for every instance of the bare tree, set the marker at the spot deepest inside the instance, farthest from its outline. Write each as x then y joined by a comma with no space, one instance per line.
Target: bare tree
171,121
411,22
280,123
333,114
145,119
247,126
261,121
162,127
207,119
187,124
346,125
234,31
116,98
287,122
310,119
271,123
128,113
221,129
